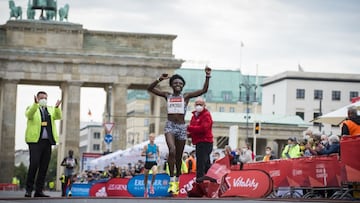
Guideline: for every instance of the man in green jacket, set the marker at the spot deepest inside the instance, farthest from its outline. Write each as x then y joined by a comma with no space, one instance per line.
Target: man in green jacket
291,150
40,135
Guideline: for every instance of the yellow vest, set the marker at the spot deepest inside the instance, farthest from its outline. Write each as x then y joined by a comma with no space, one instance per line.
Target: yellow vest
33,128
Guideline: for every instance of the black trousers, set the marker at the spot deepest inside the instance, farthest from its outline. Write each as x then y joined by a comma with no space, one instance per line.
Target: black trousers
203,151
40,154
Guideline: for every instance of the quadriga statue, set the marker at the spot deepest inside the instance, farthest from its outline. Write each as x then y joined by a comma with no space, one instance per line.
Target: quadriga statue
15,11
63,12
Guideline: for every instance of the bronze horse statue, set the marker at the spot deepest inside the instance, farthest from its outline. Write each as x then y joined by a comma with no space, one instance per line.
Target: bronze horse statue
15,11
30,12
63,12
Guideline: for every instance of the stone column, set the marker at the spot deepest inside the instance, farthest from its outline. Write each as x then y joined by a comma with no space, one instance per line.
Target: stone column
7,126
70,124
119,116
157,114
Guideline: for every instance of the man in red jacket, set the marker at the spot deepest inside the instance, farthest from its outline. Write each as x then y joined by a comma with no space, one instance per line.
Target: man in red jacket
200,131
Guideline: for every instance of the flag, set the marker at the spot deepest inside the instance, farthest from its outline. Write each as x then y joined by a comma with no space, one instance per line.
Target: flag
89,112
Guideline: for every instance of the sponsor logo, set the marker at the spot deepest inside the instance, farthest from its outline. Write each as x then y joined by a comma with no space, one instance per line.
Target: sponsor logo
245,183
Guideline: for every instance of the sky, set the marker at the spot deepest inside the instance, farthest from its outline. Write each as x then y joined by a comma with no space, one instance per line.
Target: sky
266,37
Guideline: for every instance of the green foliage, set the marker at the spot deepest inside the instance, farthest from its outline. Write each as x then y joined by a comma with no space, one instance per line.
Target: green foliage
21,172
51,173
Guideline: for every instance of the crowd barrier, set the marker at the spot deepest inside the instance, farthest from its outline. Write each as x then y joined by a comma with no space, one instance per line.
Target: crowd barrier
256,180
315,171
8,186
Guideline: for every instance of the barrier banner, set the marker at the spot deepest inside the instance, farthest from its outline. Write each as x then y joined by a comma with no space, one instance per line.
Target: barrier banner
135,185
98,190
279,171
217,171
350,164
186,184
248,183
117,187
300,171
321,171
80,189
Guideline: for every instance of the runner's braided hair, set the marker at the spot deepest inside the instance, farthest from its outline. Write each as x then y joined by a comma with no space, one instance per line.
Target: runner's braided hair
176,76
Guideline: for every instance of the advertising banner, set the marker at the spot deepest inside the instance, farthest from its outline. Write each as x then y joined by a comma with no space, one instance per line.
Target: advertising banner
248,183
135,185
117,187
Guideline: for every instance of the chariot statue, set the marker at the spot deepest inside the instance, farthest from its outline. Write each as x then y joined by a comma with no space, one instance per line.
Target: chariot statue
49,6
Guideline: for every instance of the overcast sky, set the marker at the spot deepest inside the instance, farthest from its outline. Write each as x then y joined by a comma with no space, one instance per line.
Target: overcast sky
278,35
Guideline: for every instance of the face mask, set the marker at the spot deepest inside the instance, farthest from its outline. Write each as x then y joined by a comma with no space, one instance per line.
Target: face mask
244,149
324,142
199,108
42,102
302,148
268,152
290,145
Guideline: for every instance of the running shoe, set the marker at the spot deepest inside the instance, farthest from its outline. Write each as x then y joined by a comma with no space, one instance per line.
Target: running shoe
152,191
146,195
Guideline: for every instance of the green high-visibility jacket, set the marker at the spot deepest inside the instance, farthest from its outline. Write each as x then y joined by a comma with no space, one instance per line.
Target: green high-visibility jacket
33,128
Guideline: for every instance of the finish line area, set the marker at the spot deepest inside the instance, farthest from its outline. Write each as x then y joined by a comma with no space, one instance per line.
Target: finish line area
18,197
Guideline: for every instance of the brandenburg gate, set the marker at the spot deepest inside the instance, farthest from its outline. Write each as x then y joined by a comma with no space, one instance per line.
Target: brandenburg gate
38,52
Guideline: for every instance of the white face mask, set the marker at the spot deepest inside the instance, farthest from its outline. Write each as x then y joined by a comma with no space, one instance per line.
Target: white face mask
42,102
268,152
199,108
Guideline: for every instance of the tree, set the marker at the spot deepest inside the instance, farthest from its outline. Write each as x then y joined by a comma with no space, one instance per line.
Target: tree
21,172
51,173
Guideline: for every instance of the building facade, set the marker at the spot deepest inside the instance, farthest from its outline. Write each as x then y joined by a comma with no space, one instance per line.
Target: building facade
308,95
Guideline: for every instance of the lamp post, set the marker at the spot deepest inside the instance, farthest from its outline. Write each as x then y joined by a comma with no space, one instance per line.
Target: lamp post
320,112
248,86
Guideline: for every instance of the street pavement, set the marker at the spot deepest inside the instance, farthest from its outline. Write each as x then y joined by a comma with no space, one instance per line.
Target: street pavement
55,197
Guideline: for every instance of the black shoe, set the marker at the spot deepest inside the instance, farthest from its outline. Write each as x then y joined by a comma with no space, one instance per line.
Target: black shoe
41,194
27,194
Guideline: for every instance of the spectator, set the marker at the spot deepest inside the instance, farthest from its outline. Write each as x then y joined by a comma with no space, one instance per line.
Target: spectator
291,150
334,146
113,171
191,162
269,155
233,157
324,141
351,126
216,156
245,156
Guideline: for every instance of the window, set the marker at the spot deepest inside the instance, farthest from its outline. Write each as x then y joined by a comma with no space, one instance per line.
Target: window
227,96
209,95
146,122
221,109
300,93
96,135
300,114
318,94
96,147
353,94
316,114
232,109
273,99
146,108
336,95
